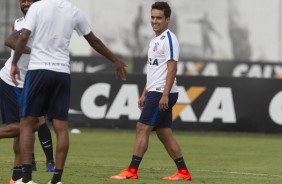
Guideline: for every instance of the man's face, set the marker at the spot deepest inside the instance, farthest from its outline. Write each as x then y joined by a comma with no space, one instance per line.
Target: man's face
24,5
158,21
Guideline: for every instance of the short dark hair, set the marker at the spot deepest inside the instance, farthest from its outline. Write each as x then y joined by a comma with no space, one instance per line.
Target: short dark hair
161,5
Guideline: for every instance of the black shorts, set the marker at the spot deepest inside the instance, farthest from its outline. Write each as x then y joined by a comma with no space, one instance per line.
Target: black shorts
152,116
9,102
46,92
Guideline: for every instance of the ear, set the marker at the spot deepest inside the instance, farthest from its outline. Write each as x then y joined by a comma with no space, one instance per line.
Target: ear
167,20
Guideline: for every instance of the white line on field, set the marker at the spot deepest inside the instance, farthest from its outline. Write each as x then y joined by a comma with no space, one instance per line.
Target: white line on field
240,173
233,172
226,172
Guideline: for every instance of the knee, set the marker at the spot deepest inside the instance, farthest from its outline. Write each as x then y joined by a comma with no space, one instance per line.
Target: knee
142,128
162,137
41,120
138,126
13,129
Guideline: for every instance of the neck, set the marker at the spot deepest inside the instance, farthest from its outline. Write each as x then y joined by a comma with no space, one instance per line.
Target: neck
159,33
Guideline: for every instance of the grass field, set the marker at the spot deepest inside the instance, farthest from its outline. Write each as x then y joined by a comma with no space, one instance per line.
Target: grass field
212,157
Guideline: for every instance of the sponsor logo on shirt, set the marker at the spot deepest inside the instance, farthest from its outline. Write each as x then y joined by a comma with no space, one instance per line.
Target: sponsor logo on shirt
163,37
153,62
159,89
56,65
20,19
156,47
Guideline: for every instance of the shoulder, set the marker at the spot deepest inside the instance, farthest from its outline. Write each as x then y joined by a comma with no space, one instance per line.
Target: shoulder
78,12
18,24
169,38
19,20
171,35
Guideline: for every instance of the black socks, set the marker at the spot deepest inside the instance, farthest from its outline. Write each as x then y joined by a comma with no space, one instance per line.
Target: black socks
135,162
45,138
180,163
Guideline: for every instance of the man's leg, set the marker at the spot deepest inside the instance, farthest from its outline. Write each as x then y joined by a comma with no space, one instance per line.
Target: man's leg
140,147
170,144
34,167
142,139
27,145
45,139
174,151
17,169
10,131
62,147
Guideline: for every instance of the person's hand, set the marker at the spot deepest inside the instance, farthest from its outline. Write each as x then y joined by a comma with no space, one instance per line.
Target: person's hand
15,72
141,102
120,66
163,104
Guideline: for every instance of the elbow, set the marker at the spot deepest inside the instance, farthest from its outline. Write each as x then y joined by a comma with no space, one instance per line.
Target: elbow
9,44
24,39
173,71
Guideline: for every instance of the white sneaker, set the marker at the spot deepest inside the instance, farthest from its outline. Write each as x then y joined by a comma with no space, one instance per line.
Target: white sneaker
19,181
30,182
56,183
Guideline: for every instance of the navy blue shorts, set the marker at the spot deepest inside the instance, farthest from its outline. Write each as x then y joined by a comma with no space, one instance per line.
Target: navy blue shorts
9,102
152,116
46,93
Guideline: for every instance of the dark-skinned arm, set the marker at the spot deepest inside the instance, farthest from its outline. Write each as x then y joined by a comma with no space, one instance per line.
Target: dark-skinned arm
99,46
11,41
20,45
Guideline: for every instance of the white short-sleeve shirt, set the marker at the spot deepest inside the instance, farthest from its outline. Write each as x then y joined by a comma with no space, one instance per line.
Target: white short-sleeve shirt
52,23
22,63
162,49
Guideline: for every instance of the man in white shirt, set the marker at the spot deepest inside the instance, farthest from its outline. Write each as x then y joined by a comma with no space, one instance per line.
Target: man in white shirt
158,97
9,102
47,85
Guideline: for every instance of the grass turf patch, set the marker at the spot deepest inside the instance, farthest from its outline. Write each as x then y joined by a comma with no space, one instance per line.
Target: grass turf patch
212,157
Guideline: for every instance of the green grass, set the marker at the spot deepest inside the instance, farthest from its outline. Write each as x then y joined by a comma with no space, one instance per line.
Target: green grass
212,157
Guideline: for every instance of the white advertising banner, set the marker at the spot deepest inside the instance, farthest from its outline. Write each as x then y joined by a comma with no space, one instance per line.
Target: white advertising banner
213,29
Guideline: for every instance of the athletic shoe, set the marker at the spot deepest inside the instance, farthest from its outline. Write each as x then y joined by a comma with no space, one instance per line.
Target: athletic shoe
12,181
50,166
19,181
182,174
30,182
56,183
15,182
129,173
33,165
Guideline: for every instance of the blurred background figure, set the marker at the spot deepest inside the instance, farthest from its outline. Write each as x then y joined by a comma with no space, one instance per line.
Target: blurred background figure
207,29
137,24
239,34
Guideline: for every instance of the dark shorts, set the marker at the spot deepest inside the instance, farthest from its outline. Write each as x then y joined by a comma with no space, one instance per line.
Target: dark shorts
152,116
46,93
9,102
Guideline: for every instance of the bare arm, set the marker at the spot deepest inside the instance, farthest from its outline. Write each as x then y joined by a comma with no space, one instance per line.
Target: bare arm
20,45
12,39
99,46
142,99
171,73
